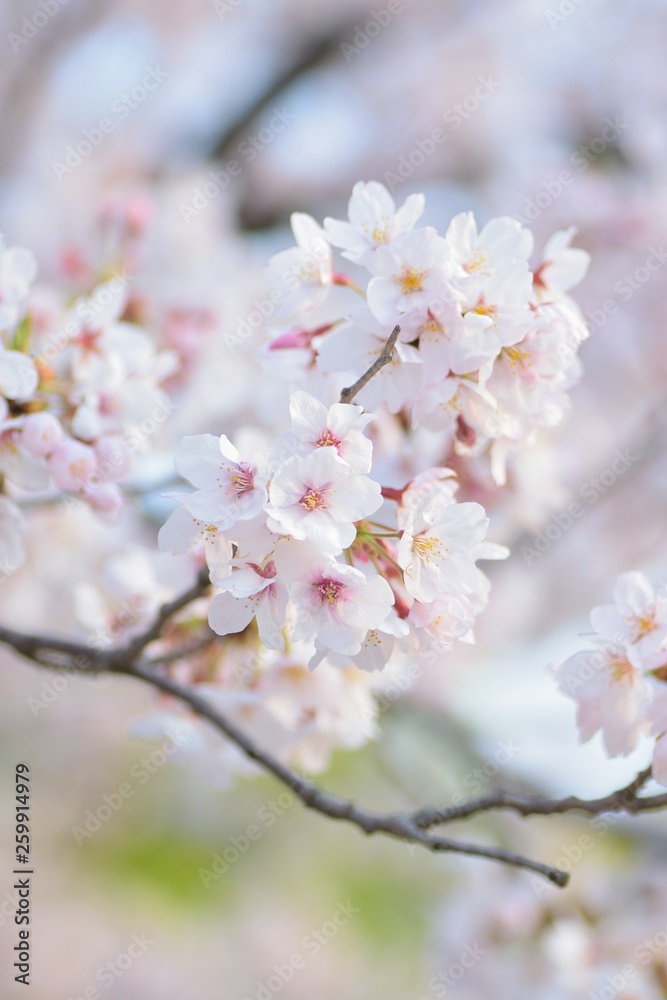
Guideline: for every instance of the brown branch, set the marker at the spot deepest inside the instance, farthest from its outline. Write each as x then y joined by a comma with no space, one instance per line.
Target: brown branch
384,358
398,825
412,827
130,652
124,661
314,52
624,800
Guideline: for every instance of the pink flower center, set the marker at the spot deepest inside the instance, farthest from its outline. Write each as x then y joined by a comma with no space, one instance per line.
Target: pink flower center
314,500
330,591
328,439
243,480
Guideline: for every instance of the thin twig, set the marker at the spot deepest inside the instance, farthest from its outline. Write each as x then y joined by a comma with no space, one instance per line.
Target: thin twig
397,825
623,800
384,358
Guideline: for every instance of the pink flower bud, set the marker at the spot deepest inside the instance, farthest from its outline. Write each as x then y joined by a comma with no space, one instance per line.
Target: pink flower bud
40,434
71,464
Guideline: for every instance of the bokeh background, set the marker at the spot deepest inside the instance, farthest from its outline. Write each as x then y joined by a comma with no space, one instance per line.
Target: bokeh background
553,112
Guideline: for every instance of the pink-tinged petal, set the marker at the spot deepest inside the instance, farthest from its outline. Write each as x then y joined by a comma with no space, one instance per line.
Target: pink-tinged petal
199,460
358,497
227,615
270,617
209,506
634,592
309,415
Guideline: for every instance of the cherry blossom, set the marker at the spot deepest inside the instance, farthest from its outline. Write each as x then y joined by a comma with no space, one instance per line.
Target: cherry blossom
413,272
341,426
617,686
440,543
227,489
18,375
18,269
335,603
562,266
318,497
374,220
611,691
303,274
251,592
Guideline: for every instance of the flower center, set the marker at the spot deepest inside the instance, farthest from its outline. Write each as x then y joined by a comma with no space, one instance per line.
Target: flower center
641,625
620,669
427,546
314,500
243,480
516,358
329,591
479,263
411,279
328,440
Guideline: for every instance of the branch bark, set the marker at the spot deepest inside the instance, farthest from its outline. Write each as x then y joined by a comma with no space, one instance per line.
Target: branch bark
412,827
384,358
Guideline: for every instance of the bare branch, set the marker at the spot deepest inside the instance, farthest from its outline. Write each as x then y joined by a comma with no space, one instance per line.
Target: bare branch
384,358
397,825
129,653
624,800
412,827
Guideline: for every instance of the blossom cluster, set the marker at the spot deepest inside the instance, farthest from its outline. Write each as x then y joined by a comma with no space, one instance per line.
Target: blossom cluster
78,380
488,344
302,541
618,684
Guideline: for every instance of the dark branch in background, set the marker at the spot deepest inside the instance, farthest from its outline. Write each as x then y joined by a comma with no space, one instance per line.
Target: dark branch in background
411,827
314,52
384,358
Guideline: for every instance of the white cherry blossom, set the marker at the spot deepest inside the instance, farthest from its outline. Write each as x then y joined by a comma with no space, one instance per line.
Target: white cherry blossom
374,220
18,269
227,489
339,426
301,275
415,271
317,497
